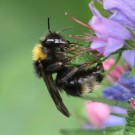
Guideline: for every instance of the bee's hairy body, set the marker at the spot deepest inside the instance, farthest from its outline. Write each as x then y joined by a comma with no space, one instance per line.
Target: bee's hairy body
79,84
49,56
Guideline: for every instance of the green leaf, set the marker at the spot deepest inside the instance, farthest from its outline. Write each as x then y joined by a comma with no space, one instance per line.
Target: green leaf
133,71
131,43
114,130
85,57
82,54
82,132
107,131
132,31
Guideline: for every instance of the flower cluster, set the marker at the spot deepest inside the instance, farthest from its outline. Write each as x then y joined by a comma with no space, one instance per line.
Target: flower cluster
123,87
122,90
111,35
114,34
115,30
99,115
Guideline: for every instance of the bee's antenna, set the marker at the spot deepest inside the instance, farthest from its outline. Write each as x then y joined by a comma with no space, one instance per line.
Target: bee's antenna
64,29
49,25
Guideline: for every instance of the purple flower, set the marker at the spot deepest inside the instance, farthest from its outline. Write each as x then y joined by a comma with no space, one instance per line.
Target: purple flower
123,90
128,82
112,33
115,121
124,11
129,56
98,115
117,92
112,121
118,110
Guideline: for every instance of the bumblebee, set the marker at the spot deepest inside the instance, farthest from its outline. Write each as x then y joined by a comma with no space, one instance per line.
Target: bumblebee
49,57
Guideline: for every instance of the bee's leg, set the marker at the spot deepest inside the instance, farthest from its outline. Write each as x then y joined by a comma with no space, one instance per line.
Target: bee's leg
100,67
60,56
70,73
54,67
58,65
66,76
97,72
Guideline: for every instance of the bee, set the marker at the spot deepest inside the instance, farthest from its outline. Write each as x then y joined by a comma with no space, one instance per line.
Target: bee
49,57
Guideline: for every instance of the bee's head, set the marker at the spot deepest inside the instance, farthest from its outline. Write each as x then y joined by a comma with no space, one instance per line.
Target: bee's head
54,39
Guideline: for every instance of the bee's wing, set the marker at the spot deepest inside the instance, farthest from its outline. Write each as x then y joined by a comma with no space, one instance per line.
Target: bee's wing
54,93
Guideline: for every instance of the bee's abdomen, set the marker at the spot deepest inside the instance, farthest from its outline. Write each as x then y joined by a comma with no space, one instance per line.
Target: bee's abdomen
78,86
81,86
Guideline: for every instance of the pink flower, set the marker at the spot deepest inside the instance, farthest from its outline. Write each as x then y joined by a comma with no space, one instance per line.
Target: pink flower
132,103
97,113
117,71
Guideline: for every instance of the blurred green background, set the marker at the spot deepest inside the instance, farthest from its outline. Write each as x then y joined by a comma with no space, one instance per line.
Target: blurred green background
25,105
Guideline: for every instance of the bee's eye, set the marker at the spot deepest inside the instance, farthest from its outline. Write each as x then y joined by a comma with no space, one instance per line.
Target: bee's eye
49,40
55,41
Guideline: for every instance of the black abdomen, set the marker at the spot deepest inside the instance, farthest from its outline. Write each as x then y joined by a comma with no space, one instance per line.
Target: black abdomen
81,83
37,68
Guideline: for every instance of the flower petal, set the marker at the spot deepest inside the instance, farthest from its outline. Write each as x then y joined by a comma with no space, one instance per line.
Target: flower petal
111,121
118,17
94,10
117,92
125,8
115,121
128,82
118,110
99,45
117,71
97,113
109,28
129,57
113,45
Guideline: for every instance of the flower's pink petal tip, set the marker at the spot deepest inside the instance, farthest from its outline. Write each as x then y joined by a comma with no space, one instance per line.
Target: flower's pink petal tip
108,64
117,71
97,113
